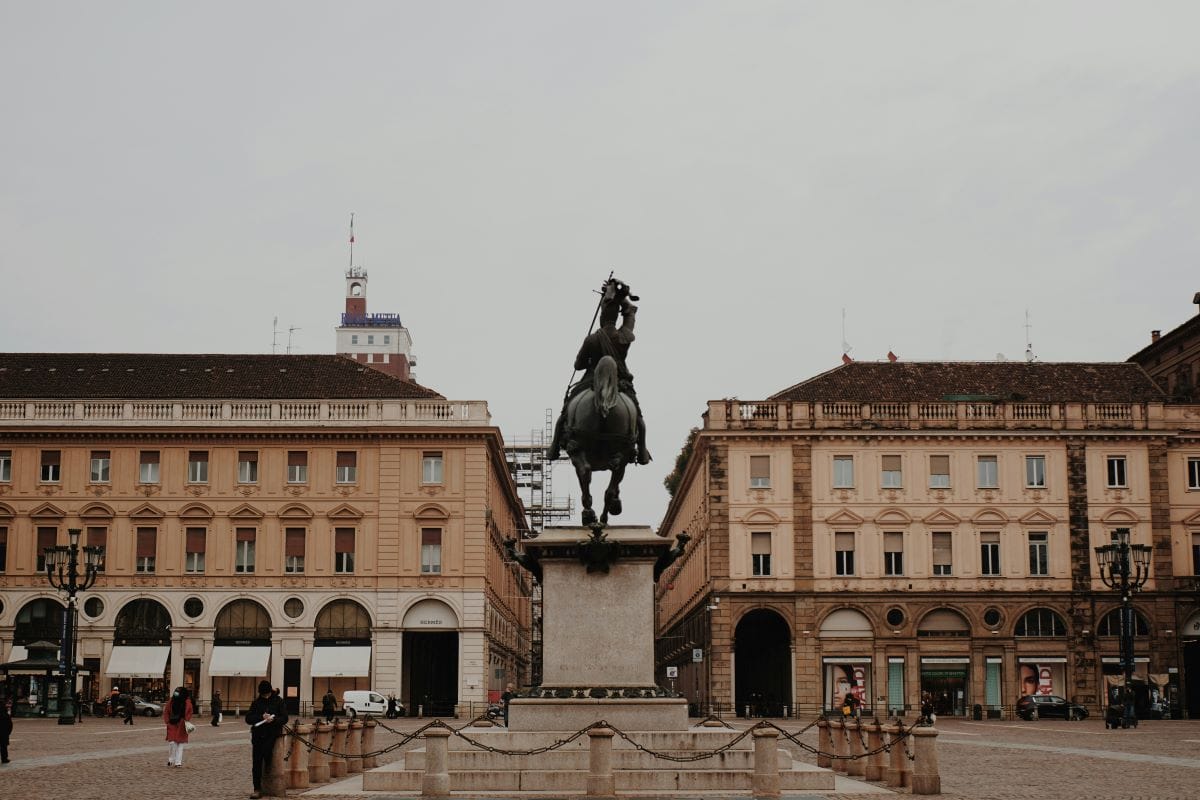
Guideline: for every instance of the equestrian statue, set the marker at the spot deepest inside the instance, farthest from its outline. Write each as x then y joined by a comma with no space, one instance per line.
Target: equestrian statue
601,426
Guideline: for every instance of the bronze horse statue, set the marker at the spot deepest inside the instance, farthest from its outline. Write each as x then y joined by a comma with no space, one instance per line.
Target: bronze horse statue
601,434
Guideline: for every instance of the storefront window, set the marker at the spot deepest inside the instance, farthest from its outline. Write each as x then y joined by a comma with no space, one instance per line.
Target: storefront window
843,679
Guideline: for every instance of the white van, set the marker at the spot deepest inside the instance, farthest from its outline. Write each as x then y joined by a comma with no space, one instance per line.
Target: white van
357,702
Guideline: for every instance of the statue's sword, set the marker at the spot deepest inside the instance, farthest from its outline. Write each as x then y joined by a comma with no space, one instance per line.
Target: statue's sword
595,316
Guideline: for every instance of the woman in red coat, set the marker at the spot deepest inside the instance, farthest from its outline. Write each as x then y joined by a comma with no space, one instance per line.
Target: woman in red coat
176,714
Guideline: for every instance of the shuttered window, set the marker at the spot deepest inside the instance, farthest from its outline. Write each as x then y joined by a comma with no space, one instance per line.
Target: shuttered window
51,466
347,466
148,466
97,536
343,550
147,549
3,548
843,547
989,553
760,553
431,550
195,546
293,550
297,469
431,467
46,537
248,466
760,472
198,466
892,477
943,553
243,557
893,553
939,472
101,466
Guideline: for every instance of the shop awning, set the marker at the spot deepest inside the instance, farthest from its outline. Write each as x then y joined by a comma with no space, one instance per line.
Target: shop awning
130,661
246,662
18,653
341,662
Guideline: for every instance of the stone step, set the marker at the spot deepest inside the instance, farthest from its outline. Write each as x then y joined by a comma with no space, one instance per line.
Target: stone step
691,739
578,759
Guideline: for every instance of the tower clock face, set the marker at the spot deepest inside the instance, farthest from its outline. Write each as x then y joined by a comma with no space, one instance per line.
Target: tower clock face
356,290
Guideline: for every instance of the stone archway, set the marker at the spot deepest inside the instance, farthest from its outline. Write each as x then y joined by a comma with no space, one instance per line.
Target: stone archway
762,664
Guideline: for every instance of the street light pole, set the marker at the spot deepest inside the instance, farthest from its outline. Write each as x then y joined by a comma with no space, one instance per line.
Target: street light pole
1125,567
62,571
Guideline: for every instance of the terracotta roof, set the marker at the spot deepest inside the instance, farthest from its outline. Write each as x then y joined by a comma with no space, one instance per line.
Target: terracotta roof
940,381
1167,340
215,376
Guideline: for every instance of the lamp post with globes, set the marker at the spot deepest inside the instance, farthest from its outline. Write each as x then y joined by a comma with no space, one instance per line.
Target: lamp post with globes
62,571
1125,567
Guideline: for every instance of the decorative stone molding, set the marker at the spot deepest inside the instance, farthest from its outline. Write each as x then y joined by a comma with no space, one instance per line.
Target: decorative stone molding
148,489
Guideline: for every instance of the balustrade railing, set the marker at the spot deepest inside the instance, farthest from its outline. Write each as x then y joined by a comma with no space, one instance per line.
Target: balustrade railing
201,411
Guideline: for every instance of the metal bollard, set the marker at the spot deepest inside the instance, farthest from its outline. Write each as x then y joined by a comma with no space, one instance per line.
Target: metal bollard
436,781
298,760
765,782
837,729
898,773
368,744
600,780
925,777
877,761
275,777
857,765
318,762
337,747
824,744
354,747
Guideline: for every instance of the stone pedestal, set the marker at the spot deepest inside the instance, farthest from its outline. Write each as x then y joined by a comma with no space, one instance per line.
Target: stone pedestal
598,634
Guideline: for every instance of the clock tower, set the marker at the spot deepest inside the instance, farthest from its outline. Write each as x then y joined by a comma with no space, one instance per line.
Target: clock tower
378,341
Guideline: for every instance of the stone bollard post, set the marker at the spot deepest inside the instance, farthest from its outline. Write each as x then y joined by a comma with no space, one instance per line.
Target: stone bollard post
925,777
354,747
318,762
824,744
765,782
298,760
275,776
436,781
368,744
857,766
337,747
837,729
877,761
600,780
898,773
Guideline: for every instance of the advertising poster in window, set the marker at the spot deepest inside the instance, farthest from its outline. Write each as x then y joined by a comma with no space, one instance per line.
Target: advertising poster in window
1041,678
843,679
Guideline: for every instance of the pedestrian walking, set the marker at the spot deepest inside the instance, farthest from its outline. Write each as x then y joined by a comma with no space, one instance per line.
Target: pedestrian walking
216,707
510,692
328,705
177,714
127,708
266,718
6,726
79,707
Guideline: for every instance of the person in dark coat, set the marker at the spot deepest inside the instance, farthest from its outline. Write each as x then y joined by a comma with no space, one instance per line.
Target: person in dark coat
266,718
127,708
6,726
328,705
216,705
176,713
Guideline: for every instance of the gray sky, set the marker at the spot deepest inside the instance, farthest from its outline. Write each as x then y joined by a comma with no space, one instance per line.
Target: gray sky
173,175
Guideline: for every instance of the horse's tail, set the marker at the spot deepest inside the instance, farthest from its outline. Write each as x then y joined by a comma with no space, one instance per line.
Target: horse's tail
605,385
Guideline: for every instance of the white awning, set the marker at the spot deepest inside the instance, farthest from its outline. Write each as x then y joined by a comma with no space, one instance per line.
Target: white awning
128,661
1046,660
18,653
341,662
247,662
846,660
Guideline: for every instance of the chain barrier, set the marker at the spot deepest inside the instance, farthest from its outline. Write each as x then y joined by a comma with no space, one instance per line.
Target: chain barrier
808,748
904,737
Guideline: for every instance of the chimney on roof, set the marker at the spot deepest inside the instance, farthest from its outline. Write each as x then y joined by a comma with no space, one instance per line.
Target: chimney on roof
846,359
892,357
1155,336
1196,300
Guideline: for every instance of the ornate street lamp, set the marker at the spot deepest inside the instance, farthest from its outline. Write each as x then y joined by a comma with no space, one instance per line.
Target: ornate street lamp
1125,567
62,571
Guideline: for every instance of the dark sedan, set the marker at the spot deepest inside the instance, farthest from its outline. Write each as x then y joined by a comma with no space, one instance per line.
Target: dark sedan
1049,705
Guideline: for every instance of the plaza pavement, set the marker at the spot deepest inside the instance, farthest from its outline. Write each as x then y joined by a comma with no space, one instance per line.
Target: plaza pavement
990,760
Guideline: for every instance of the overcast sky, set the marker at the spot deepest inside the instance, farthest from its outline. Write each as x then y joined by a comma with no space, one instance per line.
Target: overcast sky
174,175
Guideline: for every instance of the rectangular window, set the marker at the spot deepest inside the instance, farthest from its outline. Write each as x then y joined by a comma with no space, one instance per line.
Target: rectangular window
51,466
343,550
5,466
297,468
1196,553
97,536
370,338
248,466
843,472
989,553
1116,472
1035,472
101,466
760,554
46,537
891,477
3,548
1039,553
293,550
347,466
147,549
194,547
354,338
989,472
148,467
243,554
843,552
387,339
939,472
760,472
198,466
431,467
943,553
1193,472
431,550
893,553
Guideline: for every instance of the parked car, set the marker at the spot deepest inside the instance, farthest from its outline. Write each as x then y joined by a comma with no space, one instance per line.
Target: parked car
1049,705
358,701
146,708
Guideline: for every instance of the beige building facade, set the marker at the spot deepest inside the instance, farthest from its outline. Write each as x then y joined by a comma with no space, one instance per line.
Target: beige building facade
300,519
896,531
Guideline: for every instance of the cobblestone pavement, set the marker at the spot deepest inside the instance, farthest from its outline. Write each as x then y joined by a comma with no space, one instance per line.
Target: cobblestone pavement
979,761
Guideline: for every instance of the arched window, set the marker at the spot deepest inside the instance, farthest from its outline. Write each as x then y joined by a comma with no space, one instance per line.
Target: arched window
944,622
1041,622
343,619
143,622
1110,624
243,620
39,621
